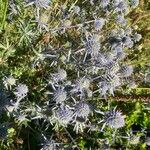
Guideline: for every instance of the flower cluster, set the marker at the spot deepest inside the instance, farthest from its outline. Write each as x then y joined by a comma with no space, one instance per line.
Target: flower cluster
73,70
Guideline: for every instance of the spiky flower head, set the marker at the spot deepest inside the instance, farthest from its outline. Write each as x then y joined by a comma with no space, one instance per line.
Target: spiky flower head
60,96
83,83
114,119
99,23
121,6
134,3
9,81
63,115
60,75
127,41
81,109
21,91
104,3
42,3
121,20
137,37
49,145
93,44
126,71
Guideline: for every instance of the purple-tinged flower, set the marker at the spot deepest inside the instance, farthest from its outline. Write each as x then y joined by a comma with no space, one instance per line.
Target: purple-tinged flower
60,75
39,3
49,145
104,3
60,96
134,3
81,109
99,23
121,6
119,52
121,20
127,41
126,71
81,85
63,115
112,118
93,44
21,91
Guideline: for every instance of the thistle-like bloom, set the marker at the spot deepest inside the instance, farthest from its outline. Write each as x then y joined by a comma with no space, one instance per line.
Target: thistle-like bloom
60,76
93,45
49,145
112,118
137,37
21,91
60,96
42,21
99,23
126,71
63,115
9,81
81,85
121,20
134,3
127,41
104,3
39,3
121,6
81,109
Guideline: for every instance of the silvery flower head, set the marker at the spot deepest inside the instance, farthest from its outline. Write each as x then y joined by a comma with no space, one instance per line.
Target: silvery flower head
42,21
119,52
60,75
81,85
81,109
104,3
9,81
93,44
127,41
121,6
49,145
134,3
114,119
63,115
39,3
99,23
137,37
21,91
126,71
121,20
60,95
104,87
